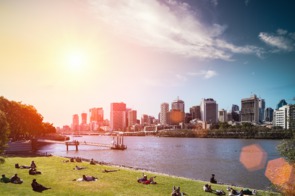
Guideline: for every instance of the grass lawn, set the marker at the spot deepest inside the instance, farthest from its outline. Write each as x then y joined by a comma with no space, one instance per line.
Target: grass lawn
59,176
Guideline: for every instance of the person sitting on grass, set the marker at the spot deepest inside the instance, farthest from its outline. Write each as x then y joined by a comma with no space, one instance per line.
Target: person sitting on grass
33,165
207,188
212,179
4,179
38,187
33,171
89,178
15,179
143,179
92,162
176,192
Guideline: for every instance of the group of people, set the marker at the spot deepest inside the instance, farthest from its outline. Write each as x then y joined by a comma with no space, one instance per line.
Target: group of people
232,192
15,179
145,180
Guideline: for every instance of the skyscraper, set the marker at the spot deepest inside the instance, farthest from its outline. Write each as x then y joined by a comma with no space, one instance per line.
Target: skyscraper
250,110
132,117
118,116
178,105
222,117
164,113
195,112
281,117
268,115
261,106
209,110
75,122
281,103
96,115
84,118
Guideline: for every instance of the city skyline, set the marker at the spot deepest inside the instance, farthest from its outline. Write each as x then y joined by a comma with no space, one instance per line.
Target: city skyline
65,57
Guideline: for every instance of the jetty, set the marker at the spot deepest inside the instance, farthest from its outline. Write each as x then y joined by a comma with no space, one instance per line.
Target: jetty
117,143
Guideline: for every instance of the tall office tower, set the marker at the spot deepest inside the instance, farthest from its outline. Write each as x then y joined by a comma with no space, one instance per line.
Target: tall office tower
164,113
84,118
209,110
281,117
235,108
261,106
75,122
178,105
195,112
235,113
96,115
250,110
132,117
281,103
268,115
118,117
222,117
144,119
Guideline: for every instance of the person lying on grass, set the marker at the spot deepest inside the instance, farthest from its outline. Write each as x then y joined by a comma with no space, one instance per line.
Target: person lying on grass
38,187
22,166
33,171
79,168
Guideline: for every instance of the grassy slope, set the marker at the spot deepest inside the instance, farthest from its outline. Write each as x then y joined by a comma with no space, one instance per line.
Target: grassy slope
59,176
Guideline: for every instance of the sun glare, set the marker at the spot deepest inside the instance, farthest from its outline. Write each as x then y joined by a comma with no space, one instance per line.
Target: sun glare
75,60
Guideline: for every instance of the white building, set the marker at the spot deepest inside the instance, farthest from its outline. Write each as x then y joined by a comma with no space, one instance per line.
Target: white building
284,117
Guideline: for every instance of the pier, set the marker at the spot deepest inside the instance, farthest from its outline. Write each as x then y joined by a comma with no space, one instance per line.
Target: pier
117,143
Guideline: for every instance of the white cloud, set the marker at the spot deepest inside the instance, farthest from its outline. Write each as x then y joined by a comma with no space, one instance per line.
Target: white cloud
281,41
170,26
204,73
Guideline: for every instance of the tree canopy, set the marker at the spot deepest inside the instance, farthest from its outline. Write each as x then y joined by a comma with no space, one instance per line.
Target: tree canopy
4,130
24,120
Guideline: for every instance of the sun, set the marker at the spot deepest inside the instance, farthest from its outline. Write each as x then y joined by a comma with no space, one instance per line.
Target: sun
75,60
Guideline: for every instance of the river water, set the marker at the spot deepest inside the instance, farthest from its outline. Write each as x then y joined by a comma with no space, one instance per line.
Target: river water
233,161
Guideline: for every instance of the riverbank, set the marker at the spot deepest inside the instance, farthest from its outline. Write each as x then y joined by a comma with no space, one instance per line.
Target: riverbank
59,174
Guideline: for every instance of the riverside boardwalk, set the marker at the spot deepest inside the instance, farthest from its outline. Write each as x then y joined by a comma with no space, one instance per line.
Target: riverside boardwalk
58,174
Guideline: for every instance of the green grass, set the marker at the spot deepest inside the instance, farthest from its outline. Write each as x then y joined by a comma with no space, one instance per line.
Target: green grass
59,176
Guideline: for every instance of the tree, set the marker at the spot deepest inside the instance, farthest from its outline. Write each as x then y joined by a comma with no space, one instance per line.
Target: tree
4,131
287,149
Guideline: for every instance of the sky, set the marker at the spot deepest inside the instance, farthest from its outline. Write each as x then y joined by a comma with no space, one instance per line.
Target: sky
65,57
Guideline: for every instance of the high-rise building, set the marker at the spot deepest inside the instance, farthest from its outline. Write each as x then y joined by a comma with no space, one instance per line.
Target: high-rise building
281,103
250,109
235,108
222,117
75,122
175,117
84,118
195,112
178,105
268,115
118,117
96,115
281,117
209,110
164,113
132,117
235,113
261,106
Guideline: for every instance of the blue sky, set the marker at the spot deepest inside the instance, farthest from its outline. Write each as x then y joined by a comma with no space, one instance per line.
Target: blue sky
65,57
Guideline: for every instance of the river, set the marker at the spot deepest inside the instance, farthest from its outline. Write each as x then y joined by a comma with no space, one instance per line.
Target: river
233,161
